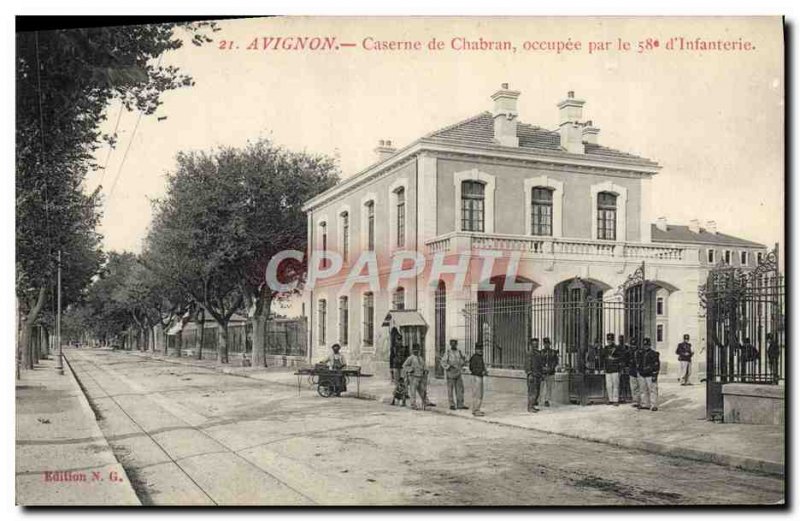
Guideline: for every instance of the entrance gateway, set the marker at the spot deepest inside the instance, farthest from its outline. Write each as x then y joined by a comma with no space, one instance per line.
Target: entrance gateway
576,318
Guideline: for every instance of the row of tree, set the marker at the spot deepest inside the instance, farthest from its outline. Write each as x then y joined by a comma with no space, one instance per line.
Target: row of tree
225,214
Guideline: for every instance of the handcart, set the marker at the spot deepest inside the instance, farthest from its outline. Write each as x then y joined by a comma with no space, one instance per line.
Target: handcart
330,382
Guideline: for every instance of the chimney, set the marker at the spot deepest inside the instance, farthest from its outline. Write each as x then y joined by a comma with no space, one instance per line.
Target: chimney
694,226
711,227
570,126
590,132
661,224
384,149
505,116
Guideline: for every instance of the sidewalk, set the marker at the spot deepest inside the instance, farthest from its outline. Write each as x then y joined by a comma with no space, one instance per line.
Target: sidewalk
62,457
677,429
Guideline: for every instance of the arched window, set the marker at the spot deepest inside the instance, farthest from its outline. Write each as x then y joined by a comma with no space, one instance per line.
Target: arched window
370,212
472,206
399,299
400,201
542,211
369,318
607,216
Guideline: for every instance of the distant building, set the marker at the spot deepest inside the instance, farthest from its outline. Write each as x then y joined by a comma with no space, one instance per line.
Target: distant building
577,213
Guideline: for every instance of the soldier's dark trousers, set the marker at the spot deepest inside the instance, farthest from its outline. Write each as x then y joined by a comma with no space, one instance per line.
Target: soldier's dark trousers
534,385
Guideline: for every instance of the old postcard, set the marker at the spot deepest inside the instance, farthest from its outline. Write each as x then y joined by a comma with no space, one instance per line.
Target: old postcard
403,261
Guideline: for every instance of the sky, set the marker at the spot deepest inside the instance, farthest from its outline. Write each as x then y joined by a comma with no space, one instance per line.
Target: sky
713,120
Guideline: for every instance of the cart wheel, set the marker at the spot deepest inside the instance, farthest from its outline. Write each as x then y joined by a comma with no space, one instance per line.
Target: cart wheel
324,390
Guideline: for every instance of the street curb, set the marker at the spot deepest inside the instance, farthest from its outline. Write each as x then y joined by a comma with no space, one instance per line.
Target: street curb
728,460
98,432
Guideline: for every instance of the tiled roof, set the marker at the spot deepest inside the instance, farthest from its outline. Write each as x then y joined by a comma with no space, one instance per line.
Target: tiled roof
479,130
679,233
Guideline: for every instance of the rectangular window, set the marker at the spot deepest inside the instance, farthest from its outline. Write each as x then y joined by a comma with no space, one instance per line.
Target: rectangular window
711,256
472,206
606,216
344,318
399,299
743,258
660,333
369,318
759,257
322,316
660,306
370,225
727,257
542,212
345,235
401,218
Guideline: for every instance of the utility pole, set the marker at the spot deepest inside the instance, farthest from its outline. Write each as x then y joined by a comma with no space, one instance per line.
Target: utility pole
60,365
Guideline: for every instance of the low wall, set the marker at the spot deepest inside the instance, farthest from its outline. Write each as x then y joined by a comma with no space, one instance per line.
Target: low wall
753,403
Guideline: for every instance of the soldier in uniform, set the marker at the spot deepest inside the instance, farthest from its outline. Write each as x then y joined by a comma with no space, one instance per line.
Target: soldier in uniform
624,377
533,369
685,354
773,357
632,363
612,355
414,372
453,363
592,358
649,367
549,364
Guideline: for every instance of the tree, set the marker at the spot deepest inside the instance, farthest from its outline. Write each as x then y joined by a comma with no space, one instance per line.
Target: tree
64,82
226,213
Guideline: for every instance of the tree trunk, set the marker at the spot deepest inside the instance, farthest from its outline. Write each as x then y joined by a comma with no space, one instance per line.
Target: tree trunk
260,319
37,344
222,345
43,342
24,341
176,351
200,336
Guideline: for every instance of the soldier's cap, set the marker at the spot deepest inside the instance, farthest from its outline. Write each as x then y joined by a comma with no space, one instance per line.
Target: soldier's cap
336,347
610,335
685,336
416,348
546,340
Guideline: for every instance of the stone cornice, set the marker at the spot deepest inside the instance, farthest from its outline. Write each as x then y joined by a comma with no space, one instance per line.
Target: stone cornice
558,161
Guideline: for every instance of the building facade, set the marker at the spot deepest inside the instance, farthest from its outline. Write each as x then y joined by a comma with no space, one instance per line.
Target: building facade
563,210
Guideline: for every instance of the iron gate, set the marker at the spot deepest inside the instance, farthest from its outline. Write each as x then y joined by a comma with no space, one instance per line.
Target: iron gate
745,329
575,319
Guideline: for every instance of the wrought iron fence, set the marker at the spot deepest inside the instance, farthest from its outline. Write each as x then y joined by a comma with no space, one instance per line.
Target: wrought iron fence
286,336
745,326
575,322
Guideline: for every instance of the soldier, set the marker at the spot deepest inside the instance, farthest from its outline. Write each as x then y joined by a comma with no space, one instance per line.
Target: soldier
748,356
624,376
612,355
397,353
549,364
685,354
533,369
478,370
592,358
414,372
453,364
773,357
649,366
632,362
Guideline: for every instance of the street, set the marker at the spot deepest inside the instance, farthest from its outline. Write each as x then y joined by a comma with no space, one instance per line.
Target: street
191,436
